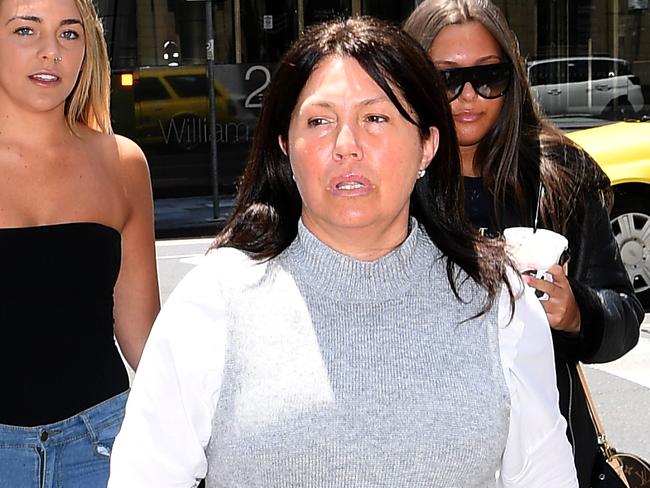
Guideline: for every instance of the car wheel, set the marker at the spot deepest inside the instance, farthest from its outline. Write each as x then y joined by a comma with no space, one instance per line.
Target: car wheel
618,109
631,225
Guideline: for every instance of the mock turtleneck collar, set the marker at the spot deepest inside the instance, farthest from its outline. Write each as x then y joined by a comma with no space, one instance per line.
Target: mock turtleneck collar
343,277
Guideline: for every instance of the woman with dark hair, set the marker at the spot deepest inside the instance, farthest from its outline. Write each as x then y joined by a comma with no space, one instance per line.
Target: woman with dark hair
348,328
519,170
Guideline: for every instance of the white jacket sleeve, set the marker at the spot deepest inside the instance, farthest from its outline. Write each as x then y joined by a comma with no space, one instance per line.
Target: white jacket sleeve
170,408
538,453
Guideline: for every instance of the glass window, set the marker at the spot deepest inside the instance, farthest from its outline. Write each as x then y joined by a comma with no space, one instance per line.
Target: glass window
586,58
268,27
150,89
317,11
594,53
190,86
547,72
602,69
578,71
395,11
119,21
166,108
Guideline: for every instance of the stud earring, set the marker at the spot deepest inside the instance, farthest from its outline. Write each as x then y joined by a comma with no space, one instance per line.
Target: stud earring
421,173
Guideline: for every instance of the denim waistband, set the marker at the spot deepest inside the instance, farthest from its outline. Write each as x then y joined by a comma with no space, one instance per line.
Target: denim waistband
67,430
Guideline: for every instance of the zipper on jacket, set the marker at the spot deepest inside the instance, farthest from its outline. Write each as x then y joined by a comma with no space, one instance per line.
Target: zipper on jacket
569,416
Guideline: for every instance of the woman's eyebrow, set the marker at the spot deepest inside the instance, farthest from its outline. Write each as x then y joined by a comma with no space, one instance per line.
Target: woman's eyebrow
372,101
71,22
365,102
30,18
34,18
449,62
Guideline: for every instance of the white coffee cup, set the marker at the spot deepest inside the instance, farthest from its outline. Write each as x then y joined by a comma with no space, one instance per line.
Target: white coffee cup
535,251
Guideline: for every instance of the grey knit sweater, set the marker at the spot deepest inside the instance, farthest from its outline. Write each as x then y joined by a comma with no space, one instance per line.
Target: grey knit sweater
344,373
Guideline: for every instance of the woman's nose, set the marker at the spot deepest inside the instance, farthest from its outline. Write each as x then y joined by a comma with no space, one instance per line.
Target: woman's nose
468,93
346,144
50,50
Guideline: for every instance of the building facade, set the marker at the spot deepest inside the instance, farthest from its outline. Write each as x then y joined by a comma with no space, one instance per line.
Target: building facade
589,64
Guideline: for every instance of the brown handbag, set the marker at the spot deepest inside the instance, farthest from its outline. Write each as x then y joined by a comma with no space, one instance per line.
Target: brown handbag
631,470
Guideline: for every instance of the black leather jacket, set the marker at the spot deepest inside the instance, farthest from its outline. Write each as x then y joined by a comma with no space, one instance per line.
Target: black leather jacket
610,319
610,313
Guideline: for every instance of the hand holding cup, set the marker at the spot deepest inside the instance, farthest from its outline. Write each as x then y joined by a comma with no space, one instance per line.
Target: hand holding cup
539,256
535,251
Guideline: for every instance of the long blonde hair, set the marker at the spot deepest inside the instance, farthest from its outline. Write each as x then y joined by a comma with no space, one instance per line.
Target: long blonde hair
89,102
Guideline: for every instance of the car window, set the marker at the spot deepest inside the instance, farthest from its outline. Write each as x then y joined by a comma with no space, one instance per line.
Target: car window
150,89
578,71
190,85
602,69
547,73
623,68
533,75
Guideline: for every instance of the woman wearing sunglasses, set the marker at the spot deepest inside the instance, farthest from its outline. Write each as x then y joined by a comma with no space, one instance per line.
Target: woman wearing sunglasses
512,160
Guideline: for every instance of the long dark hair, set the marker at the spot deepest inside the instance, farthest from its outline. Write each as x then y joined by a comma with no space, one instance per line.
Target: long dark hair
268,206
521,149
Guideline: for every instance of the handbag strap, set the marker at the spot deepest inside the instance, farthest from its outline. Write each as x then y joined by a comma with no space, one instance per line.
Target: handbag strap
590,401
593,413
613,459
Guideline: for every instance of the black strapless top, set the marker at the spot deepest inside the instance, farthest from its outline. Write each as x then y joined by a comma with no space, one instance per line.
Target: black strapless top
57,352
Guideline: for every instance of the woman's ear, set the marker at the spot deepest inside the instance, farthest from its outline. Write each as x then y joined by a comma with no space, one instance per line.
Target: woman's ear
430,147
283,145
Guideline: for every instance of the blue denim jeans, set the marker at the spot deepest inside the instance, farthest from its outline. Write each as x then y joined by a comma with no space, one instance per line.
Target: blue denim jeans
72,453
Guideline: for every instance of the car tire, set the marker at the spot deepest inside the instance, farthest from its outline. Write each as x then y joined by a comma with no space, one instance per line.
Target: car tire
630,219
618,109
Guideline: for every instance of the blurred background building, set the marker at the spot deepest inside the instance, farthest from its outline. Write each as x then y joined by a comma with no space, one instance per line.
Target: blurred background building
589,64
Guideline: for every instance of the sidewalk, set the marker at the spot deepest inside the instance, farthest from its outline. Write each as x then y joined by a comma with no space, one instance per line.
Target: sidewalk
190,216
194,217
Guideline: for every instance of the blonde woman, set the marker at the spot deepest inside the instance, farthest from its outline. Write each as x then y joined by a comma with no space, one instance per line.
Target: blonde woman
77,242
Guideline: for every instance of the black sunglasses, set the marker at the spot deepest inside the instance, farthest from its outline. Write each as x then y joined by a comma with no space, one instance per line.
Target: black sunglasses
488,80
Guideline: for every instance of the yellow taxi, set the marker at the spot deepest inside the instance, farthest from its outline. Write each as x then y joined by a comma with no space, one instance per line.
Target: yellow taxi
171,105
165,109
622,149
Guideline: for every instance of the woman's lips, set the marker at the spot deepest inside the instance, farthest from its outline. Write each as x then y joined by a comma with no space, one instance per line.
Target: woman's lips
45,79
467,117
350,185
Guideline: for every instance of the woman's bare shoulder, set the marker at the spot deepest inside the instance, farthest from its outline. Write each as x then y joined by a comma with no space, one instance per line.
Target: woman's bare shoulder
131,163
124,161
128,150
120,154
